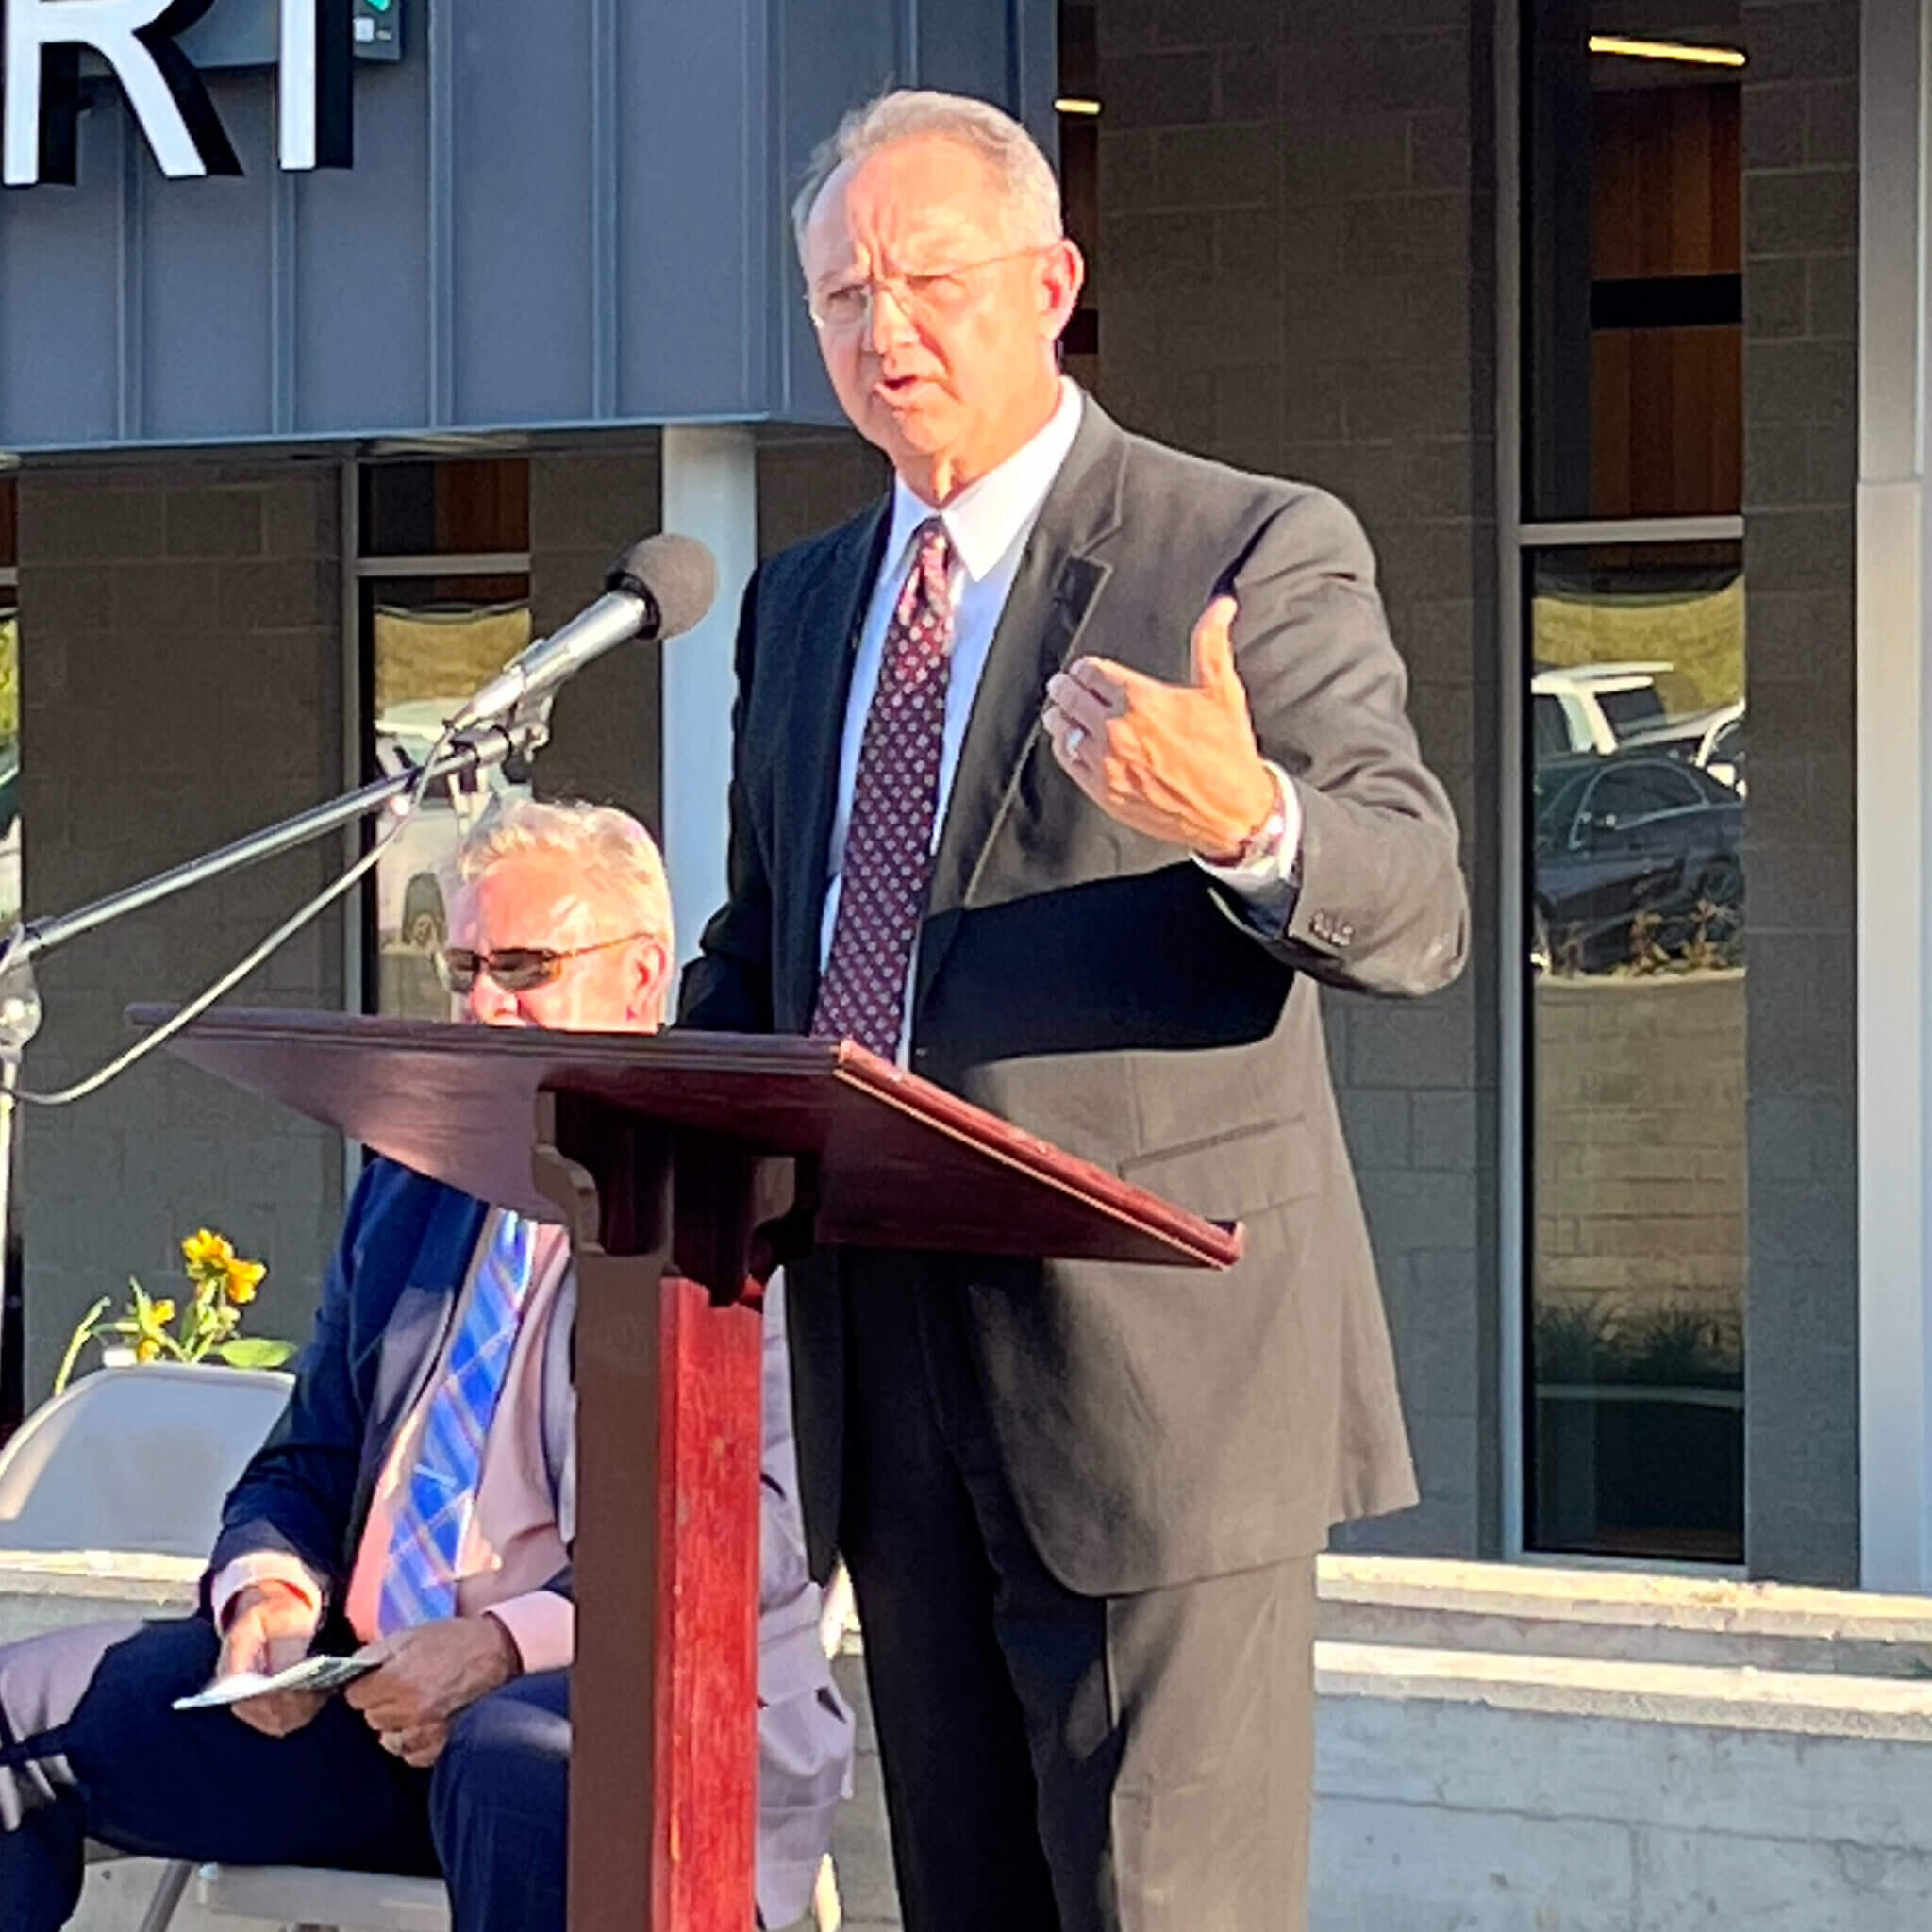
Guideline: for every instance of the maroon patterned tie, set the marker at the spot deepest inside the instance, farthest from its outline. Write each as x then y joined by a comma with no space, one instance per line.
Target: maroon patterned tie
887,863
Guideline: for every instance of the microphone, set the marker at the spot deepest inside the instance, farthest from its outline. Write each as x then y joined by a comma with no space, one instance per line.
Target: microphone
657,589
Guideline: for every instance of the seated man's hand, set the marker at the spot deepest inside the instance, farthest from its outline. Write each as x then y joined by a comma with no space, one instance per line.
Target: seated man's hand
432,1672
269,1627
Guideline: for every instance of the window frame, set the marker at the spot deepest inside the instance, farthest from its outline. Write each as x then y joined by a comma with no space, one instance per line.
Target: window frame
362,569
1519,540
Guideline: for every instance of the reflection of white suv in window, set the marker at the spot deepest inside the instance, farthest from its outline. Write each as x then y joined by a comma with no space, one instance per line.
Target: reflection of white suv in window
1712,739
1593,707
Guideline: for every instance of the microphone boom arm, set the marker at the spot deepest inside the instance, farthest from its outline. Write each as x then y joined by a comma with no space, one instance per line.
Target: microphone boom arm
488,745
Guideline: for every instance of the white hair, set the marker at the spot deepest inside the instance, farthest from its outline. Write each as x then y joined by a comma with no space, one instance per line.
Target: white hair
604,846
1023,177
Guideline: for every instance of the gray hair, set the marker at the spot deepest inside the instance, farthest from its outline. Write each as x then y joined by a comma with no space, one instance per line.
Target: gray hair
607,848
1024,177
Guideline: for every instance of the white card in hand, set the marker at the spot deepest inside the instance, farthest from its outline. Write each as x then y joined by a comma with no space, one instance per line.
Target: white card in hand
311,1674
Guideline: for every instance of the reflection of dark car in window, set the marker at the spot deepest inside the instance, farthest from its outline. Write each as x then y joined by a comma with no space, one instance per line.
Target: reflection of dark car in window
1632,833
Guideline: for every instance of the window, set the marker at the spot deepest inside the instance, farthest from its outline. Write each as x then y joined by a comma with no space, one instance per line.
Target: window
1630,706
445,603
1078,117
1634,886
1633,284
1549,729
1634,796
1722,756
473,508
1636,903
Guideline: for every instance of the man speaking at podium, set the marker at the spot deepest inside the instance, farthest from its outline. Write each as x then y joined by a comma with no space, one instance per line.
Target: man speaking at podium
417,1493
1063,774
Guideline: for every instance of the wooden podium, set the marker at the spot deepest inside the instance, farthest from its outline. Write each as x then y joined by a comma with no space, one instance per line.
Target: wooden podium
686,1167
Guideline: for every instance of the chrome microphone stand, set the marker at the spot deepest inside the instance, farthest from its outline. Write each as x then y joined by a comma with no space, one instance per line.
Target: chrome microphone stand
463,753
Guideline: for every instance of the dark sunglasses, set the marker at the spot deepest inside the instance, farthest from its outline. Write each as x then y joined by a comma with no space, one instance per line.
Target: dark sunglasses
516,969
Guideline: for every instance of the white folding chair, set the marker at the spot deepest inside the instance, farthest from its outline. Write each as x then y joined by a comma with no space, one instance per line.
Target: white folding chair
135,1461
139,1461
312,1900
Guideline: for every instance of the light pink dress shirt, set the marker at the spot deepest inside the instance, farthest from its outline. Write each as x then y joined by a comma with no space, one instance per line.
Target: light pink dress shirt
514,1545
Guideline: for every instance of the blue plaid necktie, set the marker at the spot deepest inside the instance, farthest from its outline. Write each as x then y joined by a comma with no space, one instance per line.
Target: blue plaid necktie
435,1509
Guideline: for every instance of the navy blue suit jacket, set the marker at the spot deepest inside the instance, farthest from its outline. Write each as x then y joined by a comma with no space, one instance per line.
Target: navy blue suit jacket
386,1308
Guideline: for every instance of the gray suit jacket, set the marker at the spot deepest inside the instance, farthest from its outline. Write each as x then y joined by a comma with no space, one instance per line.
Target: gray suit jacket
1096,987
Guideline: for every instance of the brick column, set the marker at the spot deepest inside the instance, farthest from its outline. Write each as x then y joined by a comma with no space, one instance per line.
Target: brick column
1801,387
181,670
1293,274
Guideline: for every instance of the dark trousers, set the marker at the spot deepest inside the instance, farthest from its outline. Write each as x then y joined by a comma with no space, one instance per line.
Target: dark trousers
490,1817
1056,1762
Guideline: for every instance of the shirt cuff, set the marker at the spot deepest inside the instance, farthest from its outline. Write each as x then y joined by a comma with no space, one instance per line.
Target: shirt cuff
264,1566
543,1627
1270,882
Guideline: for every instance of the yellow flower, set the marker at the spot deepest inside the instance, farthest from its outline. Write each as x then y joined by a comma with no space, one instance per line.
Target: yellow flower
245,1277
163,1313
206,1250
147,1350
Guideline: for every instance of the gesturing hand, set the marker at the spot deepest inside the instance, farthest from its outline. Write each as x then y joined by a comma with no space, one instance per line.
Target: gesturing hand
1176,762
270,1626
433,1672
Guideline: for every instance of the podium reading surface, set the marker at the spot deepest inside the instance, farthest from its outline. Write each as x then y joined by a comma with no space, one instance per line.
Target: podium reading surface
687,1166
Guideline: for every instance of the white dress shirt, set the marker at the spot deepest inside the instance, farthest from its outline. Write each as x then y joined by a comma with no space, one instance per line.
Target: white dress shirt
987,524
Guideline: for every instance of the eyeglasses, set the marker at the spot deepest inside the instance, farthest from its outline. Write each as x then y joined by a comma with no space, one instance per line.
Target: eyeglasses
516,969
927,298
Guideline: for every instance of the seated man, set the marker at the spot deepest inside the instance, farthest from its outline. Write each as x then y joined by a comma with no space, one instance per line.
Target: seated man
418,1492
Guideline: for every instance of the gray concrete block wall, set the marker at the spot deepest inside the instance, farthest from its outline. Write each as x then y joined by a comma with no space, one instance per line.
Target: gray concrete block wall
181,648
1800,238
587,507
1293,273
811,480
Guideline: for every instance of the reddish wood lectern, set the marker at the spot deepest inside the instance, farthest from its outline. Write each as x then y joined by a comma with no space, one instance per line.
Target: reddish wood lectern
686,1166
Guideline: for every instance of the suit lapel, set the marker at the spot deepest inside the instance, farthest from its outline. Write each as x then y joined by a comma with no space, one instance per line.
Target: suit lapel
1059,580
829,626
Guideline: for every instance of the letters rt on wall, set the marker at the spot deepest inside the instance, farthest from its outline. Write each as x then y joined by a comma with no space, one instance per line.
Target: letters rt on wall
44,39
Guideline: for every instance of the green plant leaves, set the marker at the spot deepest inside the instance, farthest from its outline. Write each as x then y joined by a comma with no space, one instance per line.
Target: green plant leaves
253,1352
159,1329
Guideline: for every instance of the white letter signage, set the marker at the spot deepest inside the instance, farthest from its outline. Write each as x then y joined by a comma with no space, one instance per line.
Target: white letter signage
316,128
43,42
136,39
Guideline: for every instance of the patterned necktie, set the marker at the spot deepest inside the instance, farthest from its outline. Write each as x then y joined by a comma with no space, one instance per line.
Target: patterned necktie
434,1513
888,864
